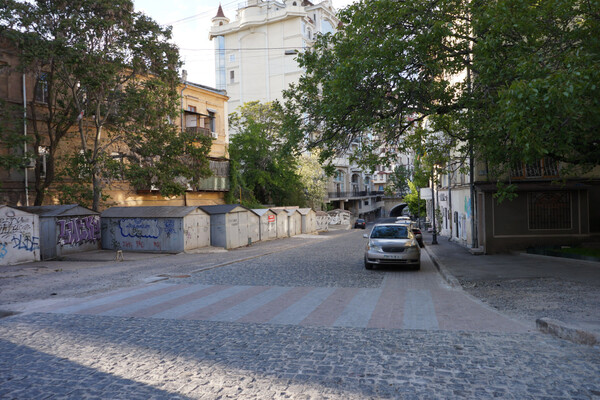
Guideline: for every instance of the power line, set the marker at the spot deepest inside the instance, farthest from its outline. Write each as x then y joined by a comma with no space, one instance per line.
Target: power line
202,14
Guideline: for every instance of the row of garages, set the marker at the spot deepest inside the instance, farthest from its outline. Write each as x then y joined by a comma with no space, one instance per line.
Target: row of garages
47,232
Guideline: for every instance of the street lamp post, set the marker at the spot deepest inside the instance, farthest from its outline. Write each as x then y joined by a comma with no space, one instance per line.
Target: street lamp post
434,240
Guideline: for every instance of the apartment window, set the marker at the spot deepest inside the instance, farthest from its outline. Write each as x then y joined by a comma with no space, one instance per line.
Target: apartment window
232,58
120,159
339,180
213,125
549,210
326,26
231,76
3,80
192,108
220,73
41,89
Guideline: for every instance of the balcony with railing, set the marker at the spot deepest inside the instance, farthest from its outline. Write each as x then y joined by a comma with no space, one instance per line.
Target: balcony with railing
354,194
219,180
198,131
542,169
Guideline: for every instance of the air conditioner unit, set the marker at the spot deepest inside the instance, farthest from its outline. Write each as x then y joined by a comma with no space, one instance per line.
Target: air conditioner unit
214,135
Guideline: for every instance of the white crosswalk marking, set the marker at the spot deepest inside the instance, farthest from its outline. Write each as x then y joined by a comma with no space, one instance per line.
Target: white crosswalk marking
419,312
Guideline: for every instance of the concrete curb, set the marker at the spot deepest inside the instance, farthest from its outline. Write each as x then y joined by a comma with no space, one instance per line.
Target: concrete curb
448,277
561,330
545,325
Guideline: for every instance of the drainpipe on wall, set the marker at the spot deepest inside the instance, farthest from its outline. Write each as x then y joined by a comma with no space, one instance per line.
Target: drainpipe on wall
25,143
184,79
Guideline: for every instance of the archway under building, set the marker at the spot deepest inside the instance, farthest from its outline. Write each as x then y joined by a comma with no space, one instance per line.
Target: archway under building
396,211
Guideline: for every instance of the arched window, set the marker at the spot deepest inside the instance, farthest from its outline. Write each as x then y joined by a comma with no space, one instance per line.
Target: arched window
326,26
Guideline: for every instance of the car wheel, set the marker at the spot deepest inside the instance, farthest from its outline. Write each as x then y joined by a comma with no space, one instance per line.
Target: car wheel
417,267
368,265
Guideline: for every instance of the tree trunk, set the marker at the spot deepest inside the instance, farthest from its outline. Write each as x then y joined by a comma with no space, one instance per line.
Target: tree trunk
97,189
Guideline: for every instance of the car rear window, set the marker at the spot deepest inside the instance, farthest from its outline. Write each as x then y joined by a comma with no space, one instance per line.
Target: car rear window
389,232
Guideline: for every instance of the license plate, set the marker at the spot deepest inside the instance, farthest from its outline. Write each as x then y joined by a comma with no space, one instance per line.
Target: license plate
392,256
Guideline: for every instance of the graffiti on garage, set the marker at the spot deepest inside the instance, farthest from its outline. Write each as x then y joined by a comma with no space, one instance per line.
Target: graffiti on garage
339,217
11,225
26,242
80,230
139,228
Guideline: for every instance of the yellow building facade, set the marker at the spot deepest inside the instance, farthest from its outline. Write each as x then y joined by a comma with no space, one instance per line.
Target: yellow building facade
203,110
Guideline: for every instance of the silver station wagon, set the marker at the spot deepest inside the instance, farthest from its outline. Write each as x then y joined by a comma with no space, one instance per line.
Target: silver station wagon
392,244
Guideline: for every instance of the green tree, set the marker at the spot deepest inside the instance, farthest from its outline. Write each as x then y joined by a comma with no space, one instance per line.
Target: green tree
399,179
110,73
416,205
42,47
12,140
263,161
313,180
507,80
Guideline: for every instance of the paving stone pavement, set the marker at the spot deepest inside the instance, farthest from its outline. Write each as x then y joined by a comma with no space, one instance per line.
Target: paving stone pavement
80,356
307,323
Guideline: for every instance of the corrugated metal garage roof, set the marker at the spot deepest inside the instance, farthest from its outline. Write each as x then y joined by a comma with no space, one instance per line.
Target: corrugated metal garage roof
223,208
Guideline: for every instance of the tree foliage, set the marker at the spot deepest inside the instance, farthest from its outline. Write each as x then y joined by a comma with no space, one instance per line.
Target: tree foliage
313,179
263,162
110,74
416,205
399,180
12,140
512,80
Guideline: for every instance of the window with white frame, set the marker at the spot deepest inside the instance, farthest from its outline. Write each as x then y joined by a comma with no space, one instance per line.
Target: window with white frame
41,89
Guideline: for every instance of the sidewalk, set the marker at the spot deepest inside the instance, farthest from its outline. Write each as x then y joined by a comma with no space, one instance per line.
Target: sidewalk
561,295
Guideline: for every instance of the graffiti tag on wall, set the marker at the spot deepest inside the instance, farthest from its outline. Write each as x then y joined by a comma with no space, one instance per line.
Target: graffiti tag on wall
139,228
76,231
26,242
339,217
11,226
322,220
16,235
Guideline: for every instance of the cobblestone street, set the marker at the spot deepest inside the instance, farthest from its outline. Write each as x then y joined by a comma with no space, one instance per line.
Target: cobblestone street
306,322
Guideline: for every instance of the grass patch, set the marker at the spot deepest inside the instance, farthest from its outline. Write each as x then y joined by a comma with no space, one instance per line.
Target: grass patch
582,251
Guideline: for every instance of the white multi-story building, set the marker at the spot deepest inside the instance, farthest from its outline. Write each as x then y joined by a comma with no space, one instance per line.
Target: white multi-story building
256,52
256,61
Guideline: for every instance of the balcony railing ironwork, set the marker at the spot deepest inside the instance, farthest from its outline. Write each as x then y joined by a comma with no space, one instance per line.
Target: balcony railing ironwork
198,130
353,194
544,168
219,181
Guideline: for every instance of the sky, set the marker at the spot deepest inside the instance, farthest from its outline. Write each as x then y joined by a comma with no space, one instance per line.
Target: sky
191,21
